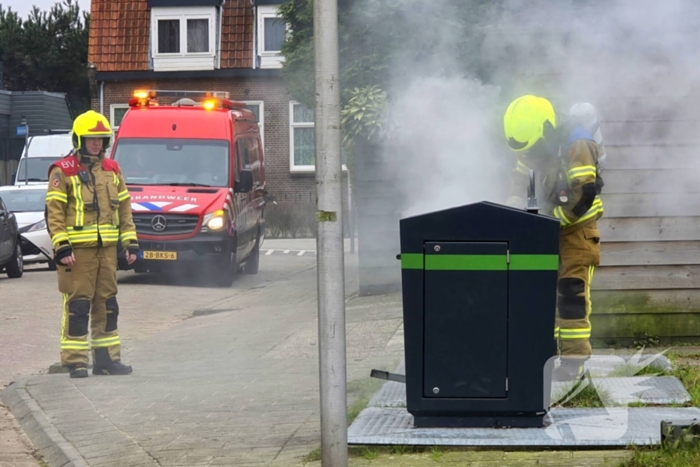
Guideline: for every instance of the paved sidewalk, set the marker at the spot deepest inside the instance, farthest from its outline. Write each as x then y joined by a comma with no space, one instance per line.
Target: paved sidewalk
237,387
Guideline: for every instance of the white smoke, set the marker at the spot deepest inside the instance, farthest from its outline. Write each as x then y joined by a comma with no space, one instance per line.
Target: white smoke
450,152
453,148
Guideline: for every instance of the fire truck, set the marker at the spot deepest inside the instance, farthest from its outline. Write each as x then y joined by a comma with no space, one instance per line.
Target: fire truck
194,166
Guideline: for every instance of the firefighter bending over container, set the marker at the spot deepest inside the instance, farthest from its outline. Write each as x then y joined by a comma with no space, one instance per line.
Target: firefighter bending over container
565,157
88,211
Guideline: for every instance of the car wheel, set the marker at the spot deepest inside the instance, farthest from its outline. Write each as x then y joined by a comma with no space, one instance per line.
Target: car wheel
225,268
252,262
52,265
15,268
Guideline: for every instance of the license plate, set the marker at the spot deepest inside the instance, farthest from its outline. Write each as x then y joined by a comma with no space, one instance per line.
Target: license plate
164,255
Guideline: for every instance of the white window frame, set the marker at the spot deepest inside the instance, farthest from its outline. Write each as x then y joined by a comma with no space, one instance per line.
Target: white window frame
269,58
182,14
112,113
261,121
292,166
292,125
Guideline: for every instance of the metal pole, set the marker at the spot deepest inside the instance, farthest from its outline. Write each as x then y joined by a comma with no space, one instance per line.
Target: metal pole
329,241
351,215
26,161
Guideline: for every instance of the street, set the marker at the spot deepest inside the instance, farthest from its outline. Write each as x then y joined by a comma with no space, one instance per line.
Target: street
221,376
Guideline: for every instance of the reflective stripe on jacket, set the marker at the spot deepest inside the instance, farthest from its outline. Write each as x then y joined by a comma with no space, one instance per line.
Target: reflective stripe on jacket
90,211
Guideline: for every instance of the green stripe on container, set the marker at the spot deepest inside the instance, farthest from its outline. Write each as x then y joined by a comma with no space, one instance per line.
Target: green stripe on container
466,263
480,262
534,262
411,260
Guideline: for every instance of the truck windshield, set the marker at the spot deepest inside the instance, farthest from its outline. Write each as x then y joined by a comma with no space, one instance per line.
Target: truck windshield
187,162
37,170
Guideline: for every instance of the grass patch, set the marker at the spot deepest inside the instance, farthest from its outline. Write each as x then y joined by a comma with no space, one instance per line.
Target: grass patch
689,374
681,457
399,449
368,453
313,456
436,454
687,370
588,397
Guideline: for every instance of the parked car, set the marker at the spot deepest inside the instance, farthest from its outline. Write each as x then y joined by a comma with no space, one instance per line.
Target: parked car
11,260
27,205
39,154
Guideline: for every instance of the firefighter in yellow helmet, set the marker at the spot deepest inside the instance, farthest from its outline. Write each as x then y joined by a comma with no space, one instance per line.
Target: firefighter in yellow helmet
88,212
564,157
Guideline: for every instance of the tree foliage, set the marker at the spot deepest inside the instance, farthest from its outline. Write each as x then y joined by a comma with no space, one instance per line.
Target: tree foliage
384,43
364,114
47,51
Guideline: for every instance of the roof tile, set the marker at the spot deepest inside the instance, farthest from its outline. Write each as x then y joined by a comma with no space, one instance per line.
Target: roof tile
120,32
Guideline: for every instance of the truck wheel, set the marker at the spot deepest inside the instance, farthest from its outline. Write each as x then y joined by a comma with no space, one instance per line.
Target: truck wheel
225,268
15,268
252,262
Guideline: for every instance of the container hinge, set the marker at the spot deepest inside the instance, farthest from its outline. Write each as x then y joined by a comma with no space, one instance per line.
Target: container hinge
380,374
508,257
506,384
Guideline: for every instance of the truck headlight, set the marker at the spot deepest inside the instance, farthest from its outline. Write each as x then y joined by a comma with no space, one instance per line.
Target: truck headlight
214,221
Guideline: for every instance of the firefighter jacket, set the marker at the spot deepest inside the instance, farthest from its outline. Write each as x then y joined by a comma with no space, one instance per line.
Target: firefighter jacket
569,185
88,205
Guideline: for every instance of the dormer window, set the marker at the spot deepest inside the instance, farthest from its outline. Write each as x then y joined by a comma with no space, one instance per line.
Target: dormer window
196,36
272,32
183,38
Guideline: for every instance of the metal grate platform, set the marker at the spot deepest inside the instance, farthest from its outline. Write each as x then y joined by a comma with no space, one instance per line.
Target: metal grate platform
618,427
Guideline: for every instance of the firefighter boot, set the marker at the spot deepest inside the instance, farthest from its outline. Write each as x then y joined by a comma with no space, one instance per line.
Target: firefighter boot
79,370
113,368
570,369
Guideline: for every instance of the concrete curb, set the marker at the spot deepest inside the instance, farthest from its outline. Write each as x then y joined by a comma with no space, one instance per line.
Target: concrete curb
48,441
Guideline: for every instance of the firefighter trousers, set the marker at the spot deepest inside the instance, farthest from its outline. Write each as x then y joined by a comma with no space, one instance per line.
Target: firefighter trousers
89,290
579,254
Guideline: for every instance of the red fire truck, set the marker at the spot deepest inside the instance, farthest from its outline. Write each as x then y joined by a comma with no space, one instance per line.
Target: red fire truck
195,170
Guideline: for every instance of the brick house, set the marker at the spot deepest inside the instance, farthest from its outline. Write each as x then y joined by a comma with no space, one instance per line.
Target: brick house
221,45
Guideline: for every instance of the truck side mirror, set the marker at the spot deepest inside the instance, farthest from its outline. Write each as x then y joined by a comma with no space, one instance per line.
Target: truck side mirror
245,185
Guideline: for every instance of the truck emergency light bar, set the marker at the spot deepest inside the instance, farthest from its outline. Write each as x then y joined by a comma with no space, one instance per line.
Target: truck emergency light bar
152,93
213,99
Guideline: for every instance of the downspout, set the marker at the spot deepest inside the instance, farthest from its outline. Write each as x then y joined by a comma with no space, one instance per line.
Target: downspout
255,33
221,33
102,97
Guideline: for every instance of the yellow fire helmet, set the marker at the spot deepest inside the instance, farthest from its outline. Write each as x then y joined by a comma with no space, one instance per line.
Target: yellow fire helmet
525,121
91,125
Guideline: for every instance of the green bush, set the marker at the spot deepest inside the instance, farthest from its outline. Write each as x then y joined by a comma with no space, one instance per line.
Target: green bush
284,219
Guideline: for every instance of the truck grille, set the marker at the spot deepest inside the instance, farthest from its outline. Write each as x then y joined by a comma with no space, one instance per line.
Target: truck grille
165,224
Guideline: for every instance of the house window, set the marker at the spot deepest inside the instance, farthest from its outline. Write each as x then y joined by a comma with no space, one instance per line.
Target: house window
183,38
116,114
168,36
272,32
275,31
301,138
258,109
302,143
197,36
